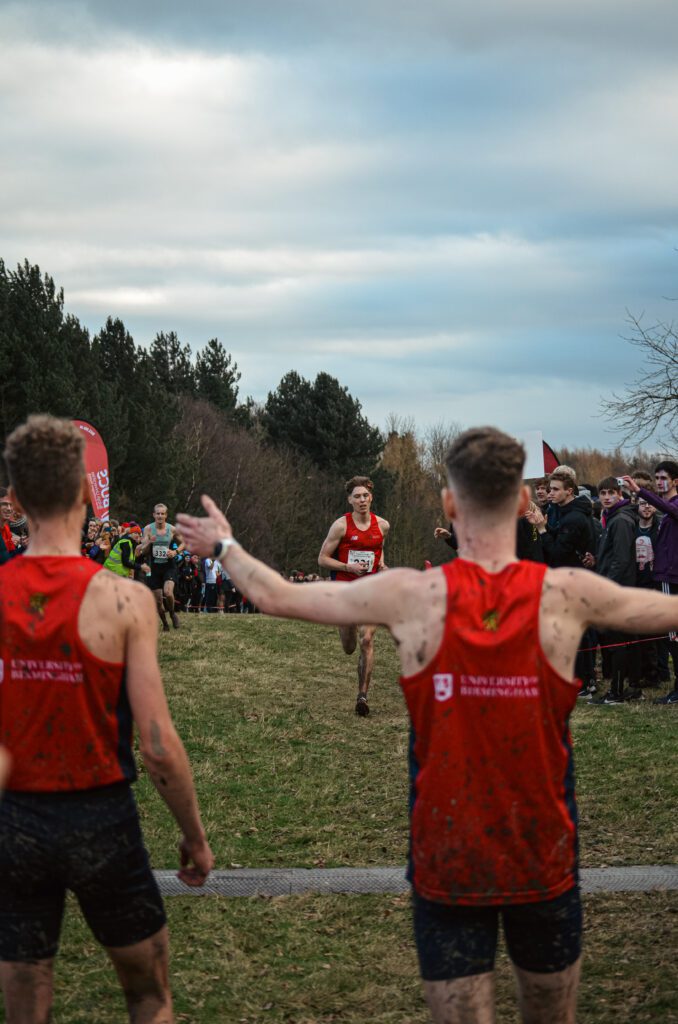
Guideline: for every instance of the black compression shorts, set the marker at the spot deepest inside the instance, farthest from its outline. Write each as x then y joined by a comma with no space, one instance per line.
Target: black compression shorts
87,842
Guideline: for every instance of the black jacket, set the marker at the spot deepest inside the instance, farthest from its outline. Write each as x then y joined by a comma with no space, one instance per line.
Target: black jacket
616,558
567,543
528,542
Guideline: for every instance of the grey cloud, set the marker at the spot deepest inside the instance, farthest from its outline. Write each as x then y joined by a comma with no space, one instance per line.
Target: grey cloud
322,185
370,24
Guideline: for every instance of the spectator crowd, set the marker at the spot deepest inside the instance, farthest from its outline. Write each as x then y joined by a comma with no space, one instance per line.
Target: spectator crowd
626,530
202,584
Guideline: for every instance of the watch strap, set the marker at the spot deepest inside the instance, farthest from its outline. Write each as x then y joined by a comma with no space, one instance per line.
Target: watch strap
222,546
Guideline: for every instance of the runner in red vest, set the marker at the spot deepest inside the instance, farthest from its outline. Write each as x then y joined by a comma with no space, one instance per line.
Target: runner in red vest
354,547
487,647
78,667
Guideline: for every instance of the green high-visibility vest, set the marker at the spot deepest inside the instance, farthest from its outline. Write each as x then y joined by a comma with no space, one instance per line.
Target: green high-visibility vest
114,560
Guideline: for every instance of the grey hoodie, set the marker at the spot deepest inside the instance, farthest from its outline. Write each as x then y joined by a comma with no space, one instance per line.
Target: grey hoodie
616,558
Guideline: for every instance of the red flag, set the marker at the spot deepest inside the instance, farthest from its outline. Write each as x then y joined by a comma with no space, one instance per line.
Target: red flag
551,460
96,467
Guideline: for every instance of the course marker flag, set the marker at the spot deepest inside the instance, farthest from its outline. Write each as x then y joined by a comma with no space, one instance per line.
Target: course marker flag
96,467
540,457
551,460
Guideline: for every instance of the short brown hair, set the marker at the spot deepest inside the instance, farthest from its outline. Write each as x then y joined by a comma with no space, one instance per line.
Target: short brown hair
609,483
359,481
45,463
486,466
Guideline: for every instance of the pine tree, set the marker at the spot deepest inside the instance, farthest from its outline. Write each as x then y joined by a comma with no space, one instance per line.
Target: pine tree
41,352
324,422
171,362
217,376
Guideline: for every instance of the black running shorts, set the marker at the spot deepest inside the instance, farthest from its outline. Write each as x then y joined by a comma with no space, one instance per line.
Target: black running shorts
87,842
161,573
456,942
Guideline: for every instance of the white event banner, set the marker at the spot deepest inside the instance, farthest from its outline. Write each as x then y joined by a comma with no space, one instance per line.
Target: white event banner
533,442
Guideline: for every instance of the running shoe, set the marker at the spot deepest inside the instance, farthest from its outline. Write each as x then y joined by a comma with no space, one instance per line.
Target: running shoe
175,620
587,690
670,698
608,698
362,708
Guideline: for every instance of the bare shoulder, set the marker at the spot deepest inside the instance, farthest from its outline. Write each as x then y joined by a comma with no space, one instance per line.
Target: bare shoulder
338,527
113,606
384,524
567,582
117,593
420,621
412,594
403,596
406,581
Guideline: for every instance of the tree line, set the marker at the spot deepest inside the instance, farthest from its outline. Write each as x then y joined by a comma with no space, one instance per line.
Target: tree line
175,426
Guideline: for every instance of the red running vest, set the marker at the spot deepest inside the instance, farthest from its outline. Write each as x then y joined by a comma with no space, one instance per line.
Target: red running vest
360,545
493,814
64,713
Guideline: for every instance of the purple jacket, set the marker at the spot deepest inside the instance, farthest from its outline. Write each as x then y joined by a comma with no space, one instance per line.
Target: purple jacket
666,551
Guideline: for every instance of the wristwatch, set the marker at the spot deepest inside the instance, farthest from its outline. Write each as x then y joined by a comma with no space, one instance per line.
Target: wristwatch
222,546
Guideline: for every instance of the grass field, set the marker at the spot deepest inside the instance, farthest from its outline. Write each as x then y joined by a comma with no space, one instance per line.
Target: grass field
288,776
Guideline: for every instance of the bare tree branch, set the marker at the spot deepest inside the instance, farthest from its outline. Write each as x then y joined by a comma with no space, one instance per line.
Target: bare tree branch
235,487
649,405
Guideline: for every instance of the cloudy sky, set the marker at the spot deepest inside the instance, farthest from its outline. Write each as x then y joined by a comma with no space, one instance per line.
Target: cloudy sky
448,206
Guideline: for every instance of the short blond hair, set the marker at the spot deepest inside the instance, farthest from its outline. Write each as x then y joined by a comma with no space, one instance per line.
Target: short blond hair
566,477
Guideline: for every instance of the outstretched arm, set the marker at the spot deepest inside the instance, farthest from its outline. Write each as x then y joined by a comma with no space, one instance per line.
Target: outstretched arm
333,604
606,605
573,599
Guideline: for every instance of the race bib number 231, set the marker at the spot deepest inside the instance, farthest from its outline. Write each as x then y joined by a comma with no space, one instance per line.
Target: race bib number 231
365,558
